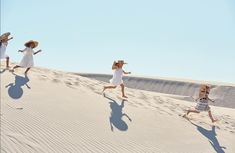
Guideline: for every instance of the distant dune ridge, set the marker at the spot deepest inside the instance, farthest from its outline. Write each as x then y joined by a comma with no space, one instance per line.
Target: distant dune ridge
223,93
52,111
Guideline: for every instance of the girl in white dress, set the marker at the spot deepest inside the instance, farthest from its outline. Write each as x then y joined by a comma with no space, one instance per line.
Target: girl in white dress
3,46
202,103
117,77
27,60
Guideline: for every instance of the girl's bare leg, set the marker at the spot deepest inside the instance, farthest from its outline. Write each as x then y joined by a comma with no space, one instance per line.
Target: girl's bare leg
27,70
123,92
190,111
17,66
210,115
109,87
7,62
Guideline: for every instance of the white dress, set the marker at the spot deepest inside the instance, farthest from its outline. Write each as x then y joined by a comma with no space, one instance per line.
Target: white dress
117,77
3,50
27,60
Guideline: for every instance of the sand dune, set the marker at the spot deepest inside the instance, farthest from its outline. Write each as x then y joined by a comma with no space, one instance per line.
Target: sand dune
223,93
65,112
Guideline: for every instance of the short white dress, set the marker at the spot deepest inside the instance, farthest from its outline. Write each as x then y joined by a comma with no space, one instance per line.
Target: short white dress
27,60
3,50
117,77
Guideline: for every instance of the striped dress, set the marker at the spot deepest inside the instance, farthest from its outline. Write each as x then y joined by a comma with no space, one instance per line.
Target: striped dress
202,105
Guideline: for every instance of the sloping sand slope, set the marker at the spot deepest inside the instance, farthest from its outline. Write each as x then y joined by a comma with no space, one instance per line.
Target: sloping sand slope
64,112
223,93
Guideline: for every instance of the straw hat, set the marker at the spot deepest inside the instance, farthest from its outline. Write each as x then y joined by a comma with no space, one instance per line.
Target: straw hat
5,35
122,61
35,43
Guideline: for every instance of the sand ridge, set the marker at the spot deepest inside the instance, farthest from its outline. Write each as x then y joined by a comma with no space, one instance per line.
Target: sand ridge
65,112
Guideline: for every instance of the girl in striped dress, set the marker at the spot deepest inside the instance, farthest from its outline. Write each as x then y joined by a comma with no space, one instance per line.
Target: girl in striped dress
203,102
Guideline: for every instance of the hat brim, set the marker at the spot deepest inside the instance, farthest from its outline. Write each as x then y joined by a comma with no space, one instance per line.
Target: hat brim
5,35
35,43
121,61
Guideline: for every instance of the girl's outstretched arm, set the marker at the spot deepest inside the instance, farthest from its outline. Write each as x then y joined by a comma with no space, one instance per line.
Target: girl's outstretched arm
37,52
9,38
195,99
211,100
126,72
22,50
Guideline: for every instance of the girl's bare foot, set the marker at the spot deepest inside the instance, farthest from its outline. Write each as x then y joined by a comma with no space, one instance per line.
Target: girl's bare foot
124,96
102,93
12,70
215,120
103,89
186,117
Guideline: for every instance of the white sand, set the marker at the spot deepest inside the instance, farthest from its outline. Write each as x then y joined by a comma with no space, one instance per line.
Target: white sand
223,93
64,112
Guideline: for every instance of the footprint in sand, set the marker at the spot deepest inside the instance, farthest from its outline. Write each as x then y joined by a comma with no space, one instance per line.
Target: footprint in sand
68,83
44,76
56,81
76,83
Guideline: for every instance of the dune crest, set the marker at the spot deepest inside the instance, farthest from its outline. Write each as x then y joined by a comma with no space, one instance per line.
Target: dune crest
53,111
223,93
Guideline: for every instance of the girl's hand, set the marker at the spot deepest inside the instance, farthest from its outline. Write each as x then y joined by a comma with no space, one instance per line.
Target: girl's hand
9,38
212,100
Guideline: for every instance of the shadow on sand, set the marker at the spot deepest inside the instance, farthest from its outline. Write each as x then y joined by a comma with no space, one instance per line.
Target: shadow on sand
116,115
15,91
211,136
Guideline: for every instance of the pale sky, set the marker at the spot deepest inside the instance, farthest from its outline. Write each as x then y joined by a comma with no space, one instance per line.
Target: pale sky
193,39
